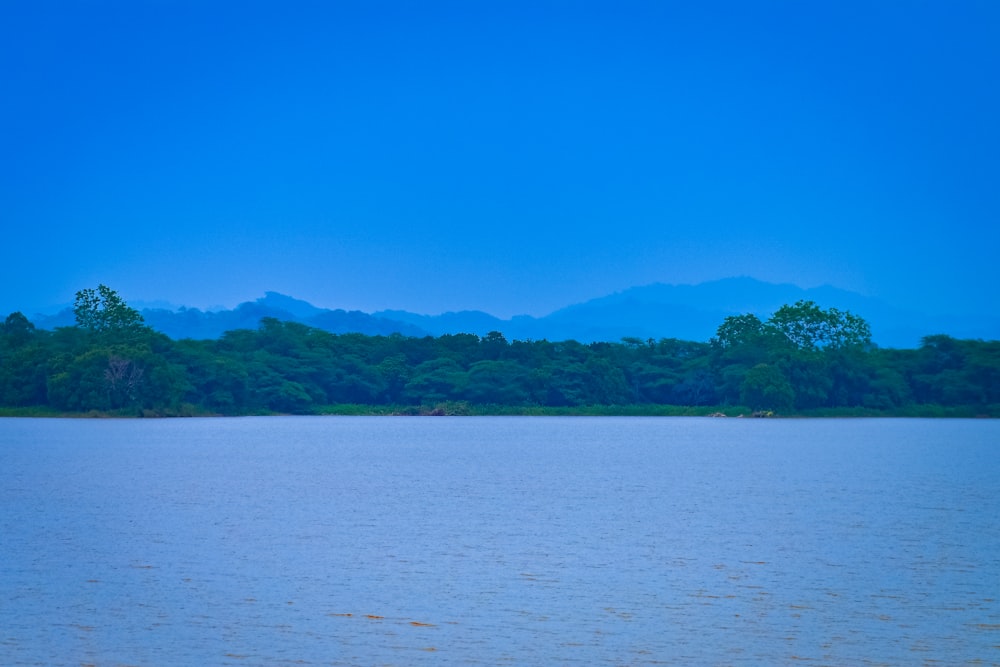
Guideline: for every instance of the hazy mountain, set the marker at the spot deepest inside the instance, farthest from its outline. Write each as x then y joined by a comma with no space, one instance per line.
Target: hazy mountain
694,312
688,312
466,321
195,323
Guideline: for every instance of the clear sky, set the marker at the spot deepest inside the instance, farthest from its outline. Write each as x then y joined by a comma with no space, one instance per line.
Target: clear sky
507,156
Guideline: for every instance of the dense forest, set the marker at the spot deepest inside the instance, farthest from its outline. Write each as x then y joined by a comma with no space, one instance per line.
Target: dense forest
803,360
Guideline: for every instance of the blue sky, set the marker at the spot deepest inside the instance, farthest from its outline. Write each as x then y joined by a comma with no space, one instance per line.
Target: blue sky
512,157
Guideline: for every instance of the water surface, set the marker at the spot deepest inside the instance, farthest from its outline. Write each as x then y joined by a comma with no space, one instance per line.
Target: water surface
402,541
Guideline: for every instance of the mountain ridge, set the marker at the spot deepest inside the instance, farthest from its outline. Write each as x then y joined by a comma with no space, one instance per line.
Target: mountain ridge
657,310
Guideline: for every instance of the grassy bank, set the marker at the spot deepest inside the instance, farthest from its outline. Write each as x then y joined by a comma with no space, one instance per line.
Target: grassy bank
462,409
465,409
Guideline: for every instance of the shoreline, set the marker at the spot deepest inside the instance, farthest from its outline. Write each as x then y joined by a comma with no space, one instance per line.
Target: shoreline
465,410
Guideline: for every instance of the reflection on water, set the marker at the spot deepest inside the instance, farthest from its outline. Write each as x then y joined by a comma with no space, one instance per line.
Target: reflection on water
402,541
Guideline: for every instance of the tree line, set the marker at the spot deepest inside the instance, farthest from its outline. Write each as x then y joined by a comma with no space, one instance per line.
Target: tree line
803,359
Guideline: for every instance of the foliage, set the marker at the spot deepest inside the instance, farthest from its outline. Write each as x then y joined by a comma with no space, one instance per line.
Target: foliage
806,326
804,359
765,387
103,310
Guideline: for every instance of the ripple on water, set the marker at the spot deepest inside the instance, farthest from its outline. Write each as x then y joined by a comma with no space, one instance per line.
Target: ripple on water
345,542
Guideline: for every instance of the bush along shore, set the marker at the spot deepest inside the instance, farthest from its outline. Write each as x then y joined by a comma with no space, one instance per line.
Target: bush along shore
803,361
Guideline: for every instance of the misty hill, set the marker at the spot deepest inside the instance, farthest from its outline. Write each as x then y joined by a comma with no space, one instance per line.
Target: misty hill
687,312
694,312
199,324
193,323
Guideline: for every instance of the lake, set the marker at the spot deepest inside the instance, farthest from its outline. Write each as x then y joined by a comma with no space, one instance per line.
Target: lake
485,541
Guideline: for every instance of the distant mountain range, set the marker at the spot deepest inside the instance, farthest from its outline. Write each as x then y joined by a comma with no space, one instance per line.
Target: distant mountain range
199,324
687,312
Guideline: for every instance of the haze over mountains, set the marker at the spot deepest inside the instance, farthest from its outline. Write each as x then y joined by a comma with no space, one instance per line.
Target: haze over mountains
687,312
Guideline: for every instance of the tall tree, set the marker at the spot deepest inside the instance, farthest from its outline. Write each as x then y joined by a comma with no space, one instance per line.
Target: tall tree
103,310
808,327
765,387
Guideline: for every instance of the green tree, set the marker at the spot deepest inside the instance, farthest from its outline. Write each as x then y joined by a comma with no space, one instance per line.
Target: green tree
765,387
740,343
494,346
102,310
606,383
497,382
738,331
218,380
394,374
808,373
808,327
887,389
16,330
561,384
79,383
983,371
23,361
435,381
464,349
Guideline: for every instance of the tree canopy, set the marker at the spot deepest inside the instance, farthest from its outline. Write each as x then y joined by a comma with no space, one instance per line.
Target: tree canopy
103,310
803,358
